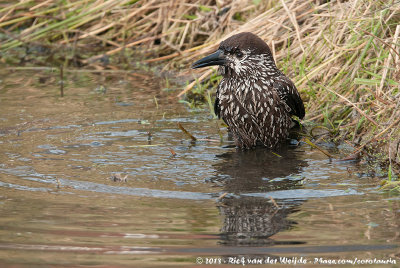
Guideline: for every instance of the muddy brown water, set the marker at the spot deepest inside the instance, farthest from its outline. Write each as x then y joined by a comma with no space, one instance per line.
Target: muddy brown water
62,203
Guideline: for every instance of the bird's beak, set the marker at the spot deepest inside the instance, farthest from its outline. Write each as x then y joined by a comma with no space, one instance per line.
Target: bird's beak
217,58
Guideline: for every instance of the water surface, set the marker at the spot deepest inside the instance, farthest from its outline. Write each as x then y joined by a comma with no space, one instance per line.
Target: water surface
103,177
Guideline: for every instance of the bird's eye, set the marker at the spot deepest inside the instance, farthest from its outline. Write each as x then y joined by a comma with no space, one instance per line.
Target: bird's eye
239,54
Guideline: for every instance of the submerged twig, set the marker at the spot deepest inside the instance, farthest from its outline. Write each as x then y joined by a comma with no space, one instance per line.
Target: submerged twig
62,81
222,196
318,148
274,202
193,138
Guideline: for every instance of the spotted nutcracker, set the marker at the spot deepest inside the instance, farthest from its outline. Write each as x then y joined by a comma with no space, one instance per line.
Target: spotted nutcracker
254,98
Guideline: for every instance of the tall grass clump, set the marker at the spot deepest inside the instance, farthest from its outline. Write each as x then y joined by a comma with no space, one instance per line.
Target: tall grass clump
344,56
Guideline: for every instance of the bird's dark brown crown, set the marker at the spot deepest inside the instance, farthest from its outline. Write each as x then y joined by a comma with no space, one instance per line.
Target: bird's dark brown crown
245,41
246,56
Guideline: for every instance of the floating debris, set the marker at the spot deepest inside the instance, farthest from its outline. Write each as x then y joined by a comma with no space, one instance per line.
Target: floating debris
100,89
118,178
276,154
143,122
144,145
172,151
222,196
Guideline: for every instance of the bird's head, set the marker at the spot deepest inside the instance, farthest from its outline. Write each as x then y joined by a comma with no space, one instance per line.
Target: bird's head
241,55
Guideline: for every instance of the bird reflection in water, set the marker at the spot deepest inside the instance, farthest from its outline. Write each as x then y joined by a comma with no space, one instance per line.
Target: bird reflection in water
248,218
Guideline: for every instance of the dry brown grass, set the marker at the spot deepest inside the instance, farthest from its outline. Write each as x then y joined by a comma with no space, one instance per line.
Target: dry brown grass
343,55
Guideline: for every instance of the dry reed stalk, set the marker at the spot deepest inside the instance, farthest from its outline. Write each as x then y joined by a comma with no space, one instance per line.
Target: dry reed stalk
294,22
110,25
388,60
191,85
355,106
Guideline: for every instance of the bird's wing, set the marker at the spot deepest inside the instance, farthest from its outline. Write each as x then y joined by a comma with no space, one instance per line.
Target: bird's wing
290,96
217,108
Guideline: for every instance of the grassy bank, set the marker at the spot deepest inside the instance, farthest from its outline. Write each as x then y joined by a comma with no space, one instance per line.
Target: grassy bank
342,55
